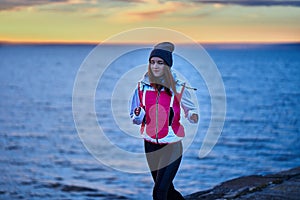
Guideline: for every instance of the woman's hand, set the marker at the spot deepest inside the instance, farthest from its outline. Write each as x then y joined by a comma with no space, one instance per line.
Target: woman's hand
139,114
194,118
137,111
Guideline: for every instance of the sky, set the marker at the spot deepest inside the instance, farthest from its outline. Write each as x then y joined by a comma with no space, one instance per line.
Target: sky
207,21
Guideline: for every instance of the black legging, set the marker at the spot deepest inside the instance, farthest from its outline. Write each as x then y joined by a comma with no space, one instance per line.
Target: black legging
163,161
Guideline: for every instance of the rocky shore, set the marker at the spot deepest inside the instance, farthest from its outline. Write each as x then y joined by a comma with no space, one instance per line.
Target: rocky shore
280,186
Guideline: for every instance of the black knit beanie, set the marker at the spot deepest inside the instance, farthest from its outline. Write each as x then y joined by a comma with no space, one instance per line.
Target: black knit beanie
164,51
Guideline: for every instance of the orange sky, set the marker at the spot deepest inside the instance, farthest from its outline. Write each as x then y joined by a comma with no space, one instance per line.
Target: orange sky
97,20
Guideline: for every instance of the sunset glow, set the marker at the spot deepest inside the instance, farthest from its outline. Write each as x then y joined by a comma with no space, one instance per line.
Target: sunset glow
92,21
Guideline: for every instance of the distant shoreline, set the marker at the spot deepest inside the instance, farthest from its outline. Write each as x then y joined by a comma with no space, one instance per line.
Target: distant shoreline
221,46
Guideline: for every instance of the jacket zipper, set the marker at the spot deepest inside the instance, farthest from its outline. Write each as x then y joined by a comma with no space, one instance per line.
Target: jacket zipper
156,117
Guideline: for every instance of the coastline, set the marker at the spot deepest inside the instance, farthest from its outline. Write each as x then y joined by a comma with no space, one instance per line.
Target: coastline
281,185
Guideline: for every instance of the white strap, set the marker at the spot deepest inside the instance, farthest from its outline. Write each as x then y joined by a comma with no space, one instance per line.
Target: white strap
172,100
144,97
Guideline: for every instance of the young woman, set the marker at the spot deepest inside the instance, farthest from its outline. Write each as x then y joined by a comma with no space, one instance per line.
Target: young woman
156,105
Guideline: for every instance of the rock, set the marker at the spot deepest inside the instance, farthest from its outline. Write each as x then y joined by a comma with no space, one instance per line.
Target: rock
283,185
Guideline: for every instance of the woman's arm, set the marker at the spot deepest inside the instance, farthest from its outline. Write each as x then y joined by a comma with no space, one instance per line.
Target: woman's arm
136,112
190,109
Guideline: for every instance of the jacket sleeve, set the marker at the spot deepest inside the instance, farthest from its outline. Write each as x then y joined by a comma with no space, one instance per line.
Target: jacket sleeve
188,105
135,103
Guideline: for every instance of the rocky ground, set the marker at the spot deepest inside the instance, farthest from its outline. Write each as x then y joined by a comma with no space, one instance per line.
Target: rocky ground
280,186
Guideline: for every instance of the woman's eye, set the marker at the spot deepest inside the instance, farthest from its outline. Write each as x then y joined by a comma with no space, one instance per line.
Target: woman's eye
152,62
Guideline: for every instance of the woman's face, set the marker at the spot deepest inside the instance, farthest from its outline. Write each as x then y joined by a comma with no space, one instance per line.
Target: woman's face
157,66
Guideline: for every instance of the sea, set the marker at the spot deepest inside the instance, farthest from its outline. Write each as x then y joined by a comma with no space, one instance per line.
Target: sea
51,148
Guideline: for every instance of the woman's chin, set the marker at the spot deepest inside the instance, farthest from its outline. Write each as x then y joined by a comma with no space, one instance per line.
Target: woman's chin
156,75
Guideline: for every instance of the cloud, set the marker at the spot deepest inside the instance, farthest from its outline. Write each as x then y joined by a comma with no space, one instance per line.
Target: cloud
16,4
295,3
149,14
118,3
155,10
130,1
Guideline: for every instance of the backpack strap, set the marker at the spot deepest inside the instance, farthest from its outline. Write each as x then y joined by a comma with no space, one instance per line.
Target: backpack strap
172,101
179,95
142,96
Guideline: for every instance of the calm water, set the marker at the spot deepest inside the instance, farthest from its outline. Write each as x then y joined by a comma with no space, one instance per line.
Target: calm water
42,156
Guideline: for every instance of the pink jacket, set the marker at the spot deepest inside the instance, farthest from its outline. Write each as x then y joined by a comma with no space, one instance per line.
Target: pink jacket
160,114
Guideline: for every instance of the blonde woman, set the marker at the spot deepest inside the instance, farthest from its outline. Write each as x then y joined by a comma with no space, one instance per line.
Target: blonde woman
155,106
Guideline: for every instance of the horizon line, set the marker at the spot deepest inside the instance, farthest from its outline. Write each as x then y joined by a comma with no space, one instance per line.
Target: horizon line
10,42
